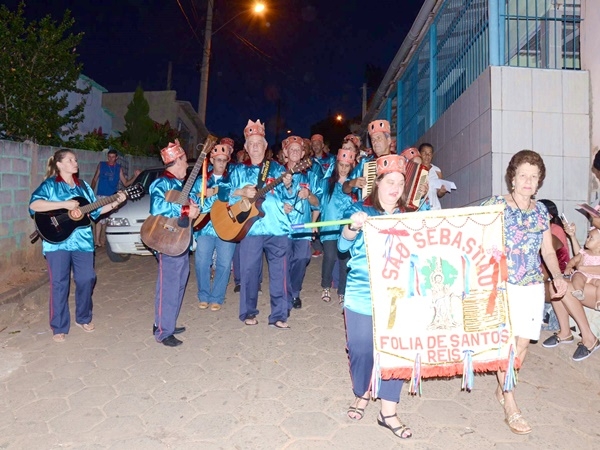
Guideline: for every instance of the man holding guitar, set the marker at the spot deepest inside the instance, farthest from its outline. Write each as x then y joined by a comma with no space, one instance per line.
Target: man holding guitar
267,233
173,271
57,191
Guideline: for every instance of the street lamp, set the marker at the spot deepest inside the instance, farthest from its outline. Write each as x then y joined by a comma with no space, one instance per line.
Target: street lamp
258,8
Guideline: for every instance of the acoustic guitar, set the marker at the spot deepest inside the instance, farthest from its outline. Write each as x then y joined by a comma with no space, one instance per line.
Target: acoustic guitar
172,235
232,222
57,225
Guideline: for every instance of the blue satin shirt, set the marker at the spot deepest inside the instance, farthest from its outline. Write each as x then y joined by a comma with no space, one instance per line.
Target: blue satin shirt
332,208
275,222
358,287
302,212
54,189
222,195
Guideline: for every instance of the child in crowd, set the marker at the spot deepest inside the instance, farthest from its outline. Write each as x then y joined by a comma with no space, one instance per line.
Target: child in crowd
587,256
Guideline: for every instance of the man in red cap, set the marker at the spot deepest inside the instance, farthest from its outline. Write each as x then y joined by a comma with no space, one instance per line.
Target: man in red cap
173,271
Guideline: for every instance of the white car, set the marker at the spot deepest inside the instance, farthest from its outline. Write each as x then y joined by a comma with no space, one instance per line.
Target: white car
124,225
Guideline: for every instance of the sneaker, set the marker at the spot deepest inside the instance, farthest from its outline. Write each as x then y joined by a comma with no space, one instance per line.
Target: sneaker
237,288
554,341
582,352
578,294
341,299
260,289
297,303
316,254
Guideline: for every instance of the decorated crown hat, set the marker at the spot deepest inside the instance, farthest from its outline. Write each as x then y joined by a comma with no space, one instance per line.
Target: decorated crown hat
317,137
292,140
410,153
354,139
171,152
254,129
346,155
224,150
227,141
391,163
379,126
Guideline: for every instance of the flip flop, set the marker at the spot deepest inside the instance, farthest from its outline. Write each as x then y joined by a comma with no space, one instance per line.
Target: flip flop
250,321
280,324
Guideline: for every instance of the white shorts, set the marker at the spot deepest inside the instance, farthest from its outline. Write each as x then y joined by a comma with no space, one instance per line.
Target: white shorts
526,306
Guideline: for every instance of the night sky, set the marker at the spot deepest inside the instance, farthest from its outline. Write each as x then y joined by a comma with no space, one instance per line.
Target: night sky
308,55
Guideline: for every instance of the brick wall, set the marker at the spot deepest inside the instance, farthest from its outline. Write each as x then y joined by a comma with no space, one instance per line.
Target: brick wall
22,169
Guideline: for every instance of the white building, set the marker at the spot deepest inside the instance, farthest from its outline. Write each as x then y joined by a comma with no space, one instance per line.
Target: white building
95,116
483,79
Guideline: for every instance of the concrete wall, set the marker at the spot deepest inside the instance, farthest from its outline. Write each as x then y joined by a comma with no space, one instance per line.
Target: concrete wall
508,109
23,169
590,43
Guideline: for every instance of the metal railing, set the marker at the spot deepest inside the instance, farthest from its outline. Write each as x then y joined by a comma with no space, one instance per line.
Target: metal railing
467,36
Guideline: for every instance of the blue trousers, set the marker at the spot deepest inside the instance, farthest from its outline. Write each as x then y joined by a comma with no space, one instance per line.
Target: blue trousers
299,254
331,256
251,251
173,273
359,341
205,246
59,271
236,267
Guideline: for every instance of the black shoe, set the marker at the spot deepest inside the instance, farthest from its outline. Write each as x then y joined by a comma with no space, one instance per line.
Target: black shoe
171,341
297,303
236,289
177,330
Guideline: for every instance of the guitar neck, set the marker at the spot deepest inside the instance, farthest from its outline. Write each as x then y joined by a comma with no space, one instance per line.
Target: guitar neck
98,204
185,192
267,187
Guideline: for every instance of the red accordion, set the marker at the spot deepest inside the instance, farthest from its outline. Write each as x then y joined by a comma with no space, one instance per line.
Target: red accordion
416,176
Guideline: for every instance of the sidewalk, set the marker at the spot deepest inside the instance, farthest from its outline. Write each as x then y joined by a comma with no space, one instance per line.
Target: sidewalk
231,386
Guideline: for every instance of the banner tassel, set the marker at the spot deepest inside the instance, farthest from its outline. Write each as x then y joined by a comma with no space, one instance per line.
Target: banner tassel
468,376
376,377
415,378
510,377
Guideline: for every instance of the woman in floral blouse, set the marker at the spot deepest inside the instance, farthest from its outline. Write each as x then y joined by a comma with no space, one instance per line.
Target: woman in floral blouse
527,233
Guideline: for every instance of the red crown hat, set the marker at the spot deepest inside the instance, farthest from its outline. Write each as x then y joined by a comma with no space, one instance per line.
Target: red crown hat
391,163
292,140
354,139
227,141
306,142
254,129
379,126
171,152
410,153
317,137
346,155
224,150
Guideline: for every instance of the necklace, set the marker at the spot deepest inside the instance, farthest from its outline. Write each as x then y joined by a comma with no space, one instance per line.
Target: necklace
519,208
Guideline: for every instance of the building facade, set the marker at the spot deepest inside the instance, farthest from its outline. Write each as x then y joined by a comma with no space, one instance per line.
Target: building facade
483,79
96,117
164,107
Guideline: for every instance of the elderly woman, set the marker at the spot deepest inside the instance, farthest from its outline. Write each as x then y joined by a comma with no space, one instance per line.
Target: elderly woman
527,232
386,198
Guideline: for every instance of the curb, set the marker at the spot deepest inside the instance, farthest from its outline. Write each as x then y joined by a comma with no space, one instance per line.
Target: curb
18,294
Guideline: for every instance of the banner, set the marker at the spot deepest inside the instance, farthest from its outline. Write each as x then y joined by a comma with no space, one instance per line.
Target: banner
438,289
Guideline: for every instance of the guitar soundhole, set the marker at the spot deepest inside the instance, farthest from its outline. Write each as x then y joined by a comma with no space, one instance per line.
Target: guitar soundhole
183,222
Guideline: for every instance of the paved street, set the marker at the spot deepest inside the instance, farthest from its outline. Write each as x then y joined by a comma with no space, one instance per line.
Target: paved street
231,386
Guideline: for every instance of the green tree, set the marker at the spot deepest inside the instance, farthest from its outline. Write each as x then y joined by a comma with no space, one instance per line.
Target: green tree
140,135
38,67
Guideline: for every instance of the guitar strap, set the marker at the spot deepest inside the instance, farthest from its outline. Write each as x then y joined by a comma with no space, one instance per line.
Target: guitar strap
262,175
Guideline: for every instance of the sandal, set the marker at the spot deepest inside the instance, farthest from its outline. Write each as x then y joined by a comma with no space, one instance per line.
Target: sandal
59,337
251,320
280,324
325,295
215,307
403,432
203,305
517,424
87,327
356,410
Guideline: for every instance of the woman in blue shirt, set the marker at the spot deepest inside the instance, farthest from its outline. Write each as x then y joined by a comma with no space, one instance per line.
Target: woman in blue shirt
386,198
56,192
333,204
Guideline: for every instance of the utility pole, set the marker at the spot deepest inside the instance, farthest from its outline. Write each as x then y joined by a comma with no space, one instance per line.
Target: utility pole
204,69
364,100
169,75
